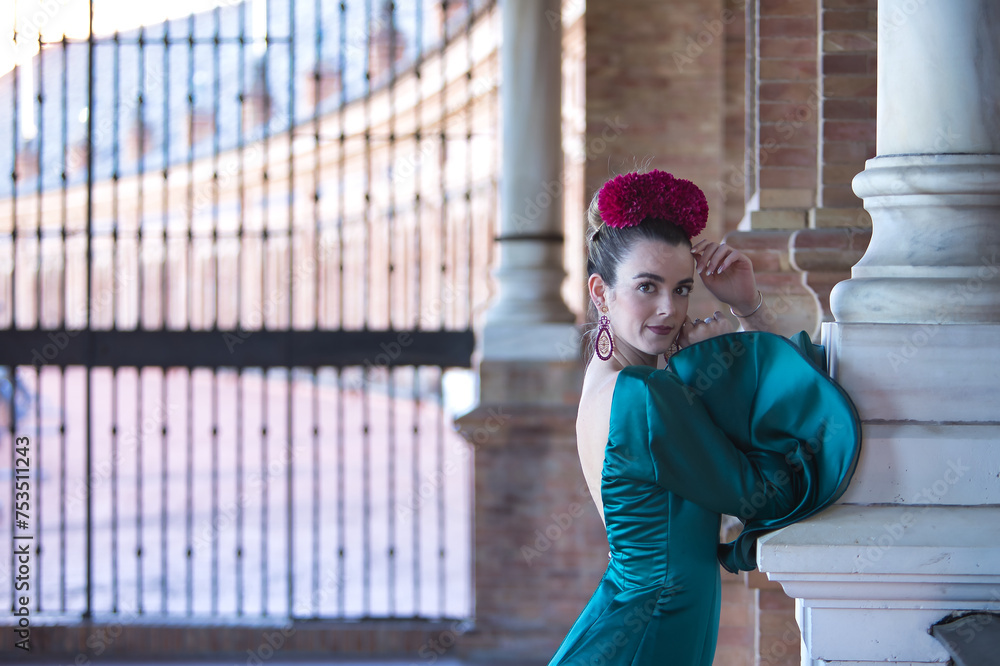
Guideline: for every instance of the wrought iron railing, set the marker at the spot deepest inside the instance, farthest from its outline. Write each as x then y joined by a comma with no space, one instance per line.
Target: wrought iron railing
239,253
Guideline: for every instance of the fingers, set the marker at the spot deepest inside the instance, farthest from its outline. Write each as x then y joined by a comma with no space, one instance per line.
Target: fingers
702,329
713,258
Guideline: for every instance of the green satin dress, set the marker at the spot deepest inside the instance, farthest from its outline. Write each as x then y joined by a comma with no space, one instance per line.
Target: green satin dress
746,424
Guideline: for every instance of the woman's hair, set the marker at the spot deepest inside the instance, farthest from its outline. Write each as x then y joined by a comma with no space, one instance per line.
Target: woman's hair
608,246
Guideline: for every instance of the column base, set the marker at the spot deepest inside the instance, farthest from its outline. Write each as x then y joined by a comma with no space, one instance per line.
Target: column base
933,256
915,537
872,580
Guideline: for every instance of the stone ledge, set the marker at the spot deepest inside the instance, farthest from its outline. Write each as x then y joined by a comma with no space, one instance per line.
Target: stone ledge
952,545
883,575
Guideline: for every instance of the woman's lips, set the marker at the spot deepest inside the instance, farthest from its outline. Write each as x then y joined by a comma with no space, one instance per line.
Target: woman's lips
661,330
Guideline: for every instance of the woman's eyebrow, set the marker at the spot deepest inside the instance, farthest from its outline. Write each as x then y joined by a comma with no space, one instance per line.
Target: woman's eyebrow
651,276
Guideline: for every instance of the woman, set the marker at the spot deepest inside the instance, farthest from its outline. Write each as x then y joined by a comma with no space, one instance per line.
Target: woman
746,424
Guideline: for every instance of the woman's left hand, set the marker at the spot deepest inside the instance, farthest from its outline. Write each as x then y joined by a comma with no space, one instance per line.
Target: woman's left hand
703,329
727,273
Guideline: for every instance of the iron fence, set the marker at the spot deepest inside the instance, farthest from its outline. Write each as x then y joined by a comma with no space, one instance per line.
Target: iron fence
241,253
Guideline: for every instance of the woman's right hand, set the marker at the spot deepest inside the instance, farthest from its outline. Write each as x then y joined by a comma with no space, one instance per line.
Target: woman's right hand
703,329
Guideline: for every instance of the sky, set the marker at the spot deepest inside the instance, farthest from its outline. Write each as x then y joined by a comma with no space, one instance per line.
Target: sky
54,18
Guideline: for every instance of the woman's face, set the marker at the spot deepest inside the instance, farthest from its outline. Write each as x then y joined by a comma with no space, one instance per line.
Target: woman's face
649,301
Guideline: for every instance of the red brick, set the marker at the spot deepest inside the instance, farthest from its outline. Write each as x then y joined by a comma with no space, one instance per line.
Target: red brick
849,41
787,70
840,196
789,133
787,177
788,112
798,47
849,4
848,20
849,86
848,63
788,157
787,92
787,8
849,130
787,27
845,152
849,109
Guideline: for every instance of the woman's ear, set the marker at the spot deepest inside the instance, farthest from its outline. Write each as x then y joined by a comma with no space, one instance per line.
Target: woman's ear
598,289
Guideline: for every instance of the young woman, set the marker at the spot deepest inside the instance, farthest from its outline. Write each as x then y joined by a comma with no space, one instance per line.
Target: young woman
746,424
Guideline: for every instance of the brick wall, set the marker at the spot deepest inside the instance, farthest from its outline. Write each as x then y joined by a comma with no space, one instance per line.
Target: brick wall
848,58
659,67
787,110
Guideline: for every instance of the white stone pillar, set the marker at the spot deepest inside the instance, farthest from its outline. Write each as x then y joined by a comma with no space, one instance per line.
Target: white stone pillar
933,189
917,535
529,318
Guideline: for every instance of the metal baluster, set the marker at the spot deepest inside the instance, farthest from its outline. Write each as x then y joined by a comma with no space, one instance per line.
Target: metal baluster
442,180
418,320
37,456
266,224
163,495
341,522
389,282
317,302
216,254
14,176
316,593
62,490
264,492
62,291
164,323
440,494
469,225
189,493
115,223
140,318
367,315
115,377
341,214
139,435
415,497
240,376
189,245
40,132
215,493
91,109
240,500
240,181
290,462
12,410
443,323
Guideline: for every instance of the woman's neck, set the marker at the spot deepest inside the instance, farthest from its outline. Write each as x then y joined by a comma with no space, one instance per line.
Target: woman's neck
626,355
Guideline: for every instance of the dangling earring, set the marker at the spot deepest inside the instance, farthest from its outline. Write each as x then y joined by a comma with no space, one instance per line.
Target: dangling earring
674,348
604,345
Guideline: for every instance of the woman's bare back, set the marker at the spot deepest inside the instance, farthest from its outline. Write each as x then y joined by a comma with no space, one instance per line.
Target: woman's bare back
592,422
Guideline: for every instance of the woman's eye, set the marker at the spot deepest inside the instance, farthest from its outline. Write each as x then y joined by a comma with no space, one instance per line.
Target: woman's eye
683,291
646,287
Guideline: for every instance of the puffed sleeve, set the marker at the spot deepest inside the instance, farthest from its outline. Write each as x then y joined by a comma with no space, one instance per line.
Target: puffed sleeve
746,424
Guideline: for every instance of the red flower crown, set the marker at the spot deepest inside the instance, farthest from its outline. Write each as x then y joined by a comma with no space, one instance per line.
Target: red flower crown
628,199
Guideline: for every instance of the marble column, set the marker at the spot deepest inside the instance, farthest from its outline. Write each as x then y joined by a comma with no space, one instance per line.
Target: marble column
915,538
529,318
539,542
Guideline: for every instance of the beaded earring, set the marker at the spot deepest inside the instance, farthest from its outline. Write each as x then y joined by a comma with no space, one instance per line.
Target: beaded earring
674,348
604,345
